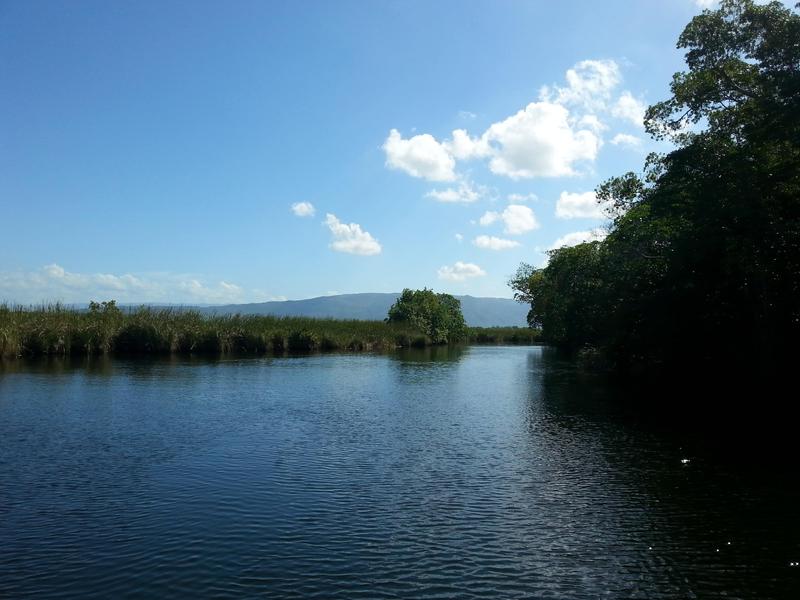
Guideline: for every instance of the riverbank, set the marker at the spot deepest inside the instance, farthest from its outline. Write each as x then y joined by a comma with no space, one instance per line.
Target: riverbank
105,329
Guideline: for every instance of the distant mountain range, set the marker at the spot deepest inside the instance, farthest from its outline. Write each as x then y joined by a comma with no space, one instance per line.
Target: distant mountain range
478,312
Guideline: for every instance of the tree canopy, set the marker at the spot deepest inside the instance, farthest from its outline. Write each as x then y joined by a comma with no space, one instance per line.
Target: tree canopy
702,262
436,315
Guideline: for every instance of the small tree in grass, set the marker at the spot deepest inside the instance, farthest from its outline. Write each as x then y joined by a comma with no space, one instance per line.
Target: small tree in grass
436,315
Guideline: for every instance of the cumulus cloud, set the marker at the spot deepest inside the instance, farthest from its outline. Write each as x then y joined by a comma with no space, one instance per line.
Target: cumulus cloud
466,115
555,136
518,219
350,238
419,156
589,85
489,217
303,209
627,141
705,3
464,147
460,271
579,237
465,192
539,141
55,283
459,238
629,109
579,206
494,243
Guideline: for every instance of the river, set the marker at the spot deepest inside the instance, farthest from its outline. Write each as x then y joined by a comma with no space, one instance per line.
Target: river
480,472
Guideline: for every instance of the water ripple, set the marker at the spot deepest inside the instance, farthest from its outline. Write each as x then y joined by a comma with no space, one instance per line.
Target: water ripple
498,474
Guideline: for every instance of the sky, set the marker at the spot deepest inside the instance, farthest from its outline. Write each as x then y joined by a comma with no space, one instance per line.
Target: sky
225,152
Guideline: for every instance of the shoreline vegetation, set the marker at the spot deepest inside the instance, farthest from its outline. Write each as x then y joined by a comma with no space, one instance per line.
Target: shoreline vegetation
105,329
698,274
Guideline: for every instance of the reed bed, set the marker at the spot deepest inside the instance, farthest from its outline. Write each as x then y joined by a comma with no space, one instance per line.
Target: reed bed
523,336
106,329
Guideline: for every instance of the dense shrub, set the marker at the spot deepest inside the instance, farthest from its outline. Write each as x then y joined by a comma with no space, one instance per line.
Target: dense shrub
438,316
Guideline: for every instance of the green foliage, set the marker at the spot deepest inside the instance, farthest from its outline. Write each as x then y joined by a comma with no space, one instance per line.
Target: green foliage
438,316
302,341
106,329
705,244
564,294
503,335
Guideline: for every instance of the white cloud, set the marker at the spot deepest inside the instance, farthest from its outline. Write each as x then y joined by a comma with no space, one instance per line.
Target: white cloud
350,238
589,85
55,283
705,3
539,141
465,192
303,209
459,238
579,206
419,156
460,271
630,109
489,217
223,290
627,141
466,115
519,219
463,147
552,137
522,198
592,122
579,237
494,243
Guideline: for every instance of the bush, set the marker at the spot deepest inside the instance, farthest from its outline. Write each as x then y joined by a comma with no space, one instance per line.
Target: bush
438,316
301,341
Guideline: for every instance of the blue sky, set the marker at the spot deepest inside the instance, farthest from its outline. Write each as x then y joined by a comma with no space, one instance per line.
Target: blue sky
240,152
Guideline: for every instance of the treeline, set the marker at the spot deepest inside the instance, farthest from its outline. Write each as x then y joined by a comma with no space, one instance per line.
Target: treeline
700,270
106,329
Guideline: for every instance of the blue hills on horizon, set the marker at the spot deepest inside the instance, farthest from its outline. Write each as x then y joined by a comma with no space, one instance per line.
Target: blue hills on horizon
478,312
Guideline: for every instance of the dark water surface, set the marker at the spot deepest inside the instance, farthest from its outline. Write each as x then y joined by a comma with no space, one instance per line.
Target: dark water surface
478,473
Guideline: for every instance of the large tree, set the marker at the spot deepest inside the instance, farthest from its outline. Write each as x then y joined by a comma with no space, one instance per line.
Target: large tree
702,264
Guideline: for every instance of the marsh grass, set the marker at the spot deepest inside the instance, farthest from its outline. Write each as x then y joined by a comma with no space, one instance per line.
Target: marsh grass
522,336
105,329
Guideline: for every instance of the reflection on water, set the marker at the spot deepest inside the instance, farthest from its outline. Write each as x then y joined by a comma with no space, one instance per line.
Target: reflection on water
430,354
488,472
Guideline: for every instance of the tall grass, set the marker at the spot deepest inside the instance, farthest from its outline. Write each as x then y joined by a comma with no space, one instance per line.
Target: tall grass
57,330
503,335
